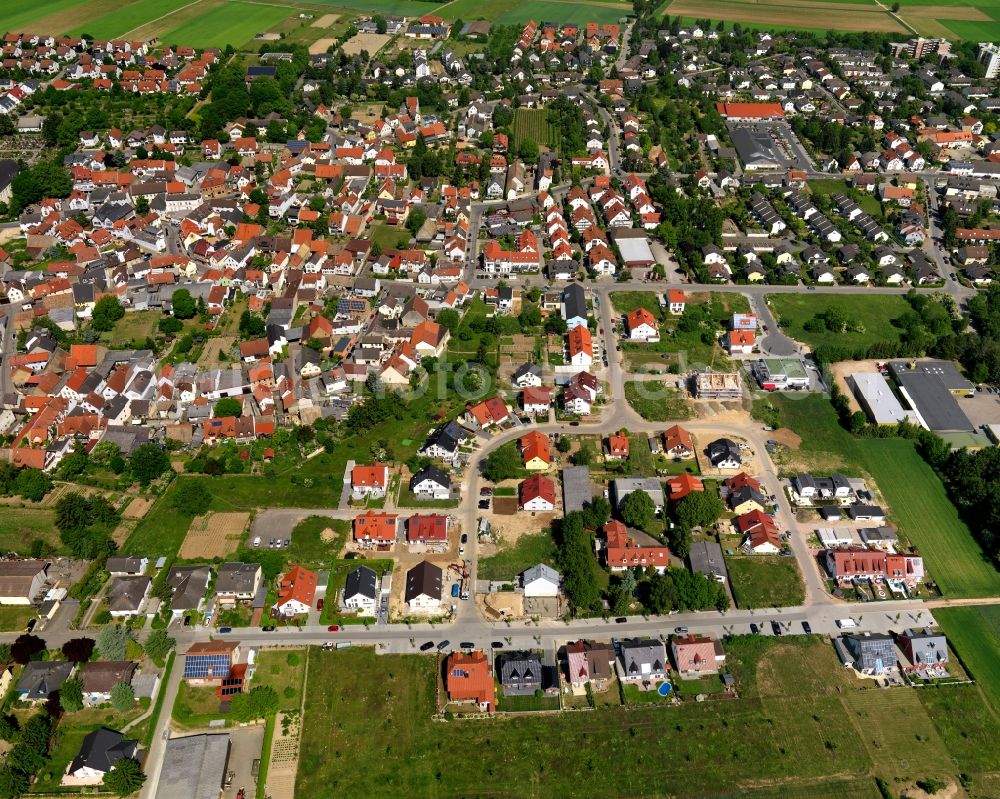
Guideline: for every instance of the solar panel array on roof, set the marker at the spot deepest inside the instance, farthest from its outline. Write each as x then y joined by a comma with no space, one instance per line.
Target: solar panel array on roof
205,666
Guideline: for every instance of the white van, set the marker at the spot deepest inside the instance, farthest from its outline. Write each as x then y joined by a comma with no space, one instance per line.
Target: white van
846,624
256,541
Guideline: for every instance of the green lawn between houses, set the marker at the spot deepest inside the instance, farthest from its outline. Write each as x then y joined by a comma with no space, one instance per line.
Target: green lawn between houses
915,497
509,562
765,581
875,314
801,724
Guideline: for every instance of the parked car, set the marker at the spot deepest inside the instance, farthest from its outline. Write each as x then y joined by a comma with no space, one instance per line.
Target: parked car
621,620
466,645
754,629
680,630
775,628
807,627
484,504
333,628
270,628
497,644
319,603
428,645
224,630
444,645
464,539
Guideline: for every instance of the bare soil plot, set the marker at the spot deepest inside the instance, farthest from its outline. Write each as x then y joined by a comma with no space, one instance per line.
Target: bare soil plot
214,535
787,438
369,42
137,508
321,46
836,16
505,506
325,21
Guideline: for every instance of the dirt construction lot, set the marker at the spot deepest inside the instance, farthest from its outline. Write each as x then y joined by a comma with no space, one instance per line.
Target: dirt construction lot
325,21
214,535
369,42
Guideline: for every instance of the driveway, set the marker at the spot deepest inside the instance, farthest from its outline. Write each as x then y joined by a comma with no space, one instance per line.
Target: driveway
246,746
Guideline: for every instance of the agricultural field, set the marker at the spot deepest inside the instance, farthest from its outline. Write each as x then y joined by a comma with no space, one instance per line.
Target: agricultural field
600,11
873,317
915,496
214,535
849,15
926,516
533,124
801,722
977,20
130,17
974,632
234,23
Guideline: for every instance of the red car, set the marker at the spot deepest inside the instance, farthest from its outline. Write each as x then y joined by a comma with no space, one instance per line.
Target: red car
333,628
319,603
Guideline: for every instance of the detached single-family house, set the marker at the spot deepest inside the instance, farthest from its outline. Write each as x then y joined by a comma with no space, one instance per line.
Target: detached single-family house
723,453
100,676
361,591
369,481
590,662
469,678
423,586
540,580
695,655
430,483
41,678
99,752
677,443
296,592
873,653
237,582
643,660
520,673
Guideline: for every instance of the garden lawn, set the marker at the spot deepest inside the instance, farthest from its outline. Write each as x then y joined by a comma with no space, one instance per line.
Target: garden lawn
867,202
284,671
527,551
134,326
927,518
388,237
624,302
790,725
654,402
14,618
974,632
765,581
196,706
232,23
20,526
875,314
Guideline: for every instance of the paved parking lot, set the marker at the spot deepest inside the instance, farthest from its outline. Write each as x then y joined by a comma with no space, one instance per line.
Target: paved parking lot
246,746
